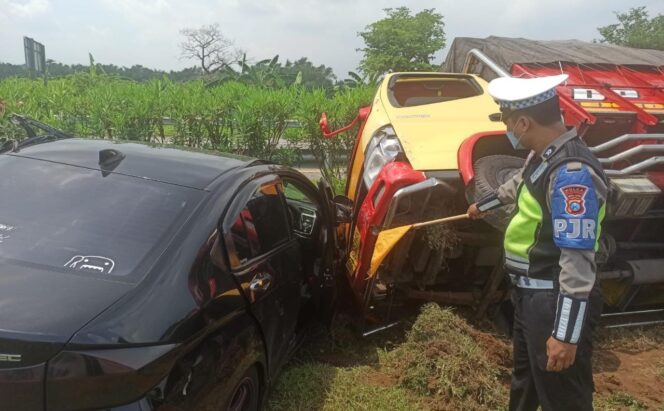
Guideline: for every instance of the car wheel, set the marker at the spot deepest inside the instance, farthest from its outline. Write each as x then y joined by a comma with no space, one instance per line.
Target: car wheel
490,173
246,394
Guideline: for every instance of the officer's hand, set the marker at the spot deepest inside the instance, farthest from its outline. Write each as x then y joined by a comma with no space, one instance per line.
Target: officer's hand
474,213
561,355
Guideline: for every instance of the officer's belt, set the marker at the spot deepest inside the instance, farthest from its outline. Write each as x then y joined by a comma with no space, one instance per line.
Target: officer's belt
522,281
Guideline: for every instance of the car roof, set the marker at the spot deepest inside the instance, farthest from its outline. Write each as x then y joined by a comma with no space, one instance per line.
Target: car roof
168,164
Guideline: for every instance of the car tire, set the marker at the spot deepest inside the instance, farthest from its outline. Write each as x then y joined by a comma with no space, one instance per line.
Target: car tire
246,393
490,173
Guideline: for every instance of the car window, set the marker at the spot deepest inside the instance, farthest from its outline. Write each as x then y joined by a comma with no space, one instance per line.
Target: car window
303,207
240,238
419,90
293,192
68,219
259,227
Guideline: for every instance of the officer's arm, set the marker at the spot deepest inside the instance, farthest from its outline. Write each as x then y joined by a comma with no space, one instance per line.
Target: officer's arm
505,194
576,198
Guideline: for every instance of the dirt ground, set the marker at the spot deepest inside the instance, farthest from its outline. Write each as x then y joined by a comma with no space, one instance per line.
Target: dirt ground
630,377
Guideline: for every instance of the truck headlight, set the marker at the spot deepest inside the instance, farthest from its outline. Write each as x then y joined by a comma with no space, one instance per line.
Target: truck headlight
383,148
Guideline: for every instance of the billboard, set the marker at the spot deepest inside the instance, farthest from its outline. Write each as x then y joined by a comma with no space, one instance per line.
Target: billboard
35,56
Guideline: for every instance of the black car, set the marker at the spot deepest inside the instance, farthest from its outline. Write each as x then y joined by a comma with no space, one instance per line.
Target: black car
137,277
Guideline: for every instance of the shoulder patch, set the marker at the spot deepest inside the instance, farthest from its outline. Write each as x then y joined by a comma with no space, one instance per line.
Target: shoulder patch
574,195
574,209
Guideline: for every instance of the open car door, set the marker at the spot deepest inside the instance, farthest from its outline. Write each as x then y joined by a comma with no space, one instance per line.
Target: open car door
333,276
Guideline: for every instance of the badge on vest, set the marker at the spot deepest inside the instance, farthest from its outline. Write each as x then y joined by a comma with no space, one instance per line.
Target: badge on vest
574,199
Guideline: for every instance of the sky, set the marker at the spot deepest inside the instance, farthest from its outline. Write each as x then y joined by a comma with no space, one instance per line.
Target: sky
147,32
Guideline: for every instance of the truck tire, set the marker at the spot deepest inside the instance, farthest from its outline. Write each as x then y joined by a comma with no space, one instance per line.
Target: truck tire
490,173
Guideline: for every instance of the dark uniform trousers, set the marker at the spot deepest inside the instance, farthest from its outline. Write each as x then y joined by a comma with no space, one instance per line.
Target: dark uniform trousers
532,385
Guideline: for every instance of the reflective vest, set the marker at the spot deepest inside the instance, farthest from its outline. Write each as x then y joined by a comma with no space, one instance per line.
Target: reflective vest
534,237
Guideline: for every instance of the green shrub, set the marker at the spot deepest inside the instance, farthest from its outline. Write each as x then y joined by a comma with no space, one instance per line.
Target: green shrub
231,116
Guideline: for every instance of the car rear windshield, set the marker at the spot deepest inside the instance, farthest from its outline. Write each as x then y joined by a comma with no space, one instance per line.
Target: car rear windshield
419,89
68,219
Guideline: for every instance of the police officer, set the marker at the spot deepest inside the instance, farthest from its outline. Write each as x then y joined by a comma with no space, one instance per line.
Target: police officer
550,245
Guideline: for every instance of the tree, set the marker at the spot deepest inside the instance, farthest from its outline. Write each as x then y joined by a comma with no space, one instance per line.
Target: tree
635,29
311,76
209,46
402,42
354,80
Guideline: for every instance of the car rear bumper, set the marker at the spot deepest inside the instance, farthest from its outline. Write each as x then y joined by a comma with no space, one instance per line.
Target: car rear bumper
22,389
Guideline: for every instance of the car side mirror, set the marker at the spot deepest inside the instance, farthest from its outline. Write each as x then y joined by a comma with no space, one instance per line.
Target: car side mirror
343,207
323,124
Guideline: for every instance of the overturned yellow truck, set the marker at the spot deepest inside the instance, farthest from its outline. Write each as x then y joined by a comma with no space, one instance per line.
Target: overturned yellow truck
426,148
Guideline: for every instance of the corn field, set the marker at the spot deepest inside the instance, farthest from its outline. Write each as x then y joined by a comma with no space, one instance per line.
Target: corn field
230,117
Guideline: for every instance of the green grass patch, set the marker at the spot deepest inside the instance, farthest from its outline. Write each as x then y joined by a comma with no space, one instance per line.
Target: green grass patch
618,401
441,363
316,386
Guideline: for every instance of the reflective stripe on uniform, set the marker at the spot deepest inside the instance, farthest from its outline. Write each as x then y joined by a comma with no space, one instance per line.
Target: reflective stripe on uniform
579,323
564,319
523,281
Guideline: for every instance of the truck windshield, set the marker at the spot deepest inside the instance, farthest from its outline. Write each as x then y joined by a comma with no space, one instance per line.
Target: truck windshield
68,219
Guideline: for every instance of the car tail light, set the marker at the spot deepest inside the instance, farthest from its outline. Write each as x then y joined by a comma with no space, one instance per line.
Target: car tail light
80,380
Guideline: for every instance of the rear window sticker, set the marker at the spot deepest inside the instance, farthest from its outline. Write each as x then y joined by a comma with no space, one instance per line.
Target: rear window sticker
91,263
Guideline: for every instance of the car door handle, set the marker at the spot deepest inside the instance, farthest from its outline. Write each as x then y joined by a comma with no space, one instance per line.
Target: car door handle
261,282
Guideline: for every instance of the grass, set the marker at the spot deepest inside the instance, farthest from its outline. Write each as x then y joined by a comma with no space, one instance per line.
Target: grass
441,363
436,362
316,386
450,362
630,339
618,401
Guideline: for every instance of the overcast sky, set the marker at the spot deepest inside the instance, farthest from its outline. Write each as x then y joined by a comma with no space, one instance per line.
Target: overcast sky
147,32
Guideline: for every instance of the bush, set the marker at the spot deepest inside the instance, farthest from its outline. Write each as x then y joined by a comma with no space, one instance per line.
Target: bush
331,154
231,116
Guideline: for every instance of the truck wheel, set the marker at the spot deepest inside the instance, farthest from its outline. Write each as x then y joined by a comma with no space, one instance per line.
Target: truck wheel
490,173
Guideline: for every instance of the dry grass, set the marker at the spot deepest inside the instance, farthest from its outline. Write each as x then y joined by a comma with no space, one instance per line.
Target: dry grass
630,339
618,401
452,364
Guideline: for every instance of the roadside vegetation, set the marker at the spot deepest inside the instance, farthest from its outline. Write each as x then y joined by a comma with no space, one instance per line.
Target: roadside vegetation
275,124
438,361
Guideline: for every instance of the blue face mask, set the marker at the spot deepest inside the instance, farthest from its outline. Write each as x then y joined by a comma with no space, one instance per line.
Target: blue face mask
514,140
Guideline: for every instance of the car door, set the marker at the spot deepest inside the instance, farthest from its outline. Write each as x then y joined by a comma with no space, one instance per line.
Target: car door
266,262
312,220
